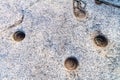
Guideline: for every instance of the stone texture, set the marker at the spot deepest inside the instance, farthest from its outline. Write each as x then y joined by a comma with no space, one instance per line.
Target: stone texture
52,34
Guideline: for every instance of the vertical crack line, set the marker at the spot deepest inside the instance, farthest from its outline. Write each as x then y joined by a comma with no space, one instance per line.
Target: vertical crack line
16,23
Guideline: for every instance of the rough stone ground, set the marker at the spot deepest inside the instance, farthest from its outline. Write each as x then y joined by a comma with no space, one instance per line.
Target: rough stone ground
52,35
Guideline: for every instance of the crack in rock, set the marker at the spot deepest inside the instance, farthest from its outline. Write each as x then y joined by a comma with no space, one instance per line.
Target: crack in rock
111,3
17,23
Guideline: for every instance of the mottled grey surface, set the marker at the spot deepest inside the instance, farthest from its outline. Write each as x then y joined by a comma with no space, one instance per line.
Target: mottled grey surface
53,34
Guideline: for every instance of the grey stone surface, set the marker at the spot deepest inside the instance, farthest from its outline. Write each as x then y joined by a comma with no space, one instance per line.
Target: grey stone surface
52,34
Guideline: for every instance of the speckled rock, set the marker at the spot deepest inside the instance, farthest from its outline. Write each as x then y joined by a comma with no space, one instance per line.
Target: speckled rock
53,33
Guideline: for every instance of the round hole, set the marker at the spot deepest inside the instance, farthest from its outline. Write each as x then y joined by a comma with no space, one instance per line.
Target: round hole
71,63
101,41
98,2
19,36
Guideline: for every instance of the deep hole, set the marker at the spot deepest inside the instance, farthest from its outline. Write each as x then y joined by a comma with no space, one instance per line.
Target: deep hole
101,41
71,63
19,35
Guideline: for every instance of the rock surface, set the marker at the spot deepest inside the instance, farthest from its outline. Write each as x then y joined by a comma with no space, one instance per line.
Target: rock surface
52,34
